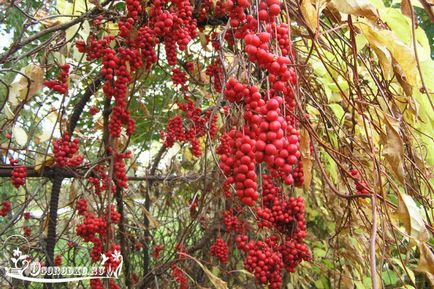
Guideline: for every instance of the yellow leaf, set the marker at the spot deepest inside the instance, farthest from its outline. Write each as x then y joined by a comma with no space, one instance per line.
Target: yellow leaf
112,28
393,148
72,193
400,52
43,161
426,260
23,88
306,158
408,214
19,135
203,41
152,222
309,13
357,8
48,22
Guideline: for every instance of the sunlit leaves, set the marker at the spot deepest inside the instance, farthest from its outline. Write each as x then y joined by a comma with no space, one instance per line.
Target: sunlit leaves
399,51
26,84
19,135
393,147
408,214
357,8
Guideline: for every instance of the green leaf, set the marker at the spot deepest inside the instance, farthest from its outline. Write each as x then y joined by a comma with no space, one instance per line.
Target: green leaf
337,110
389,277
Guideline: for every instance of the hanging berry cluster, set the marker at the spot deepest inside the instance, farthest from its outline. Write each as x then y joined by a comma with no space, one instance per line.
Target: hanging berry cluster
95,229
180,277
65,150
195,124
265,140
361,186
220,250
258,153
5,209
19,174
61,84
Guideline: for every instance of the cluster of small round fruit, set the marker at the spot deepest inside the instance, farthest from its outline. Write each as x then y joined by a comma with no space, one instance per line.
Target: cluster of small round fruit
220,250
64,151
180,277
361,186
19,174
60,85
5,209
262,260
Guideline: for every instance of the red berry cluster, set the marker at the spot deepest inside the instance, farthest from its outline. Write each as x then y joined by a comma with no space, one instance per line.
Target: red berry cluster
174,25
237,11
113,262
268,10
237,161
27,216
174,131
58,260
101,180
284,213
27,231
64,151
230,221
89,229
134,8
147,42
81,206
180,277
293,252
361,186
179,78
93,110
60,85
193,130
114,215
270,127
235,91
220,250
215,72
157,251
97,284
120,169
19,174
298,175
6,208
189,65
263,260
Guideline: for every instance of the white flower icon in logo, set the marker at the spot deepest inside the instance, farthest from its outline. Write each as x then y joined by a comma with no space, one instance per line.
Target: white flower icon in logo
116,255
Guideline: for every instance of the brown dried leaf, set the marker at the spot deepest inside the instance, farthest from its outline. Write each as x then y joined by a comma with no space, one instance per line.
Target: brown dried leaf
72,193
408,10
153,224
144,109
393,148
310,14
426,260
